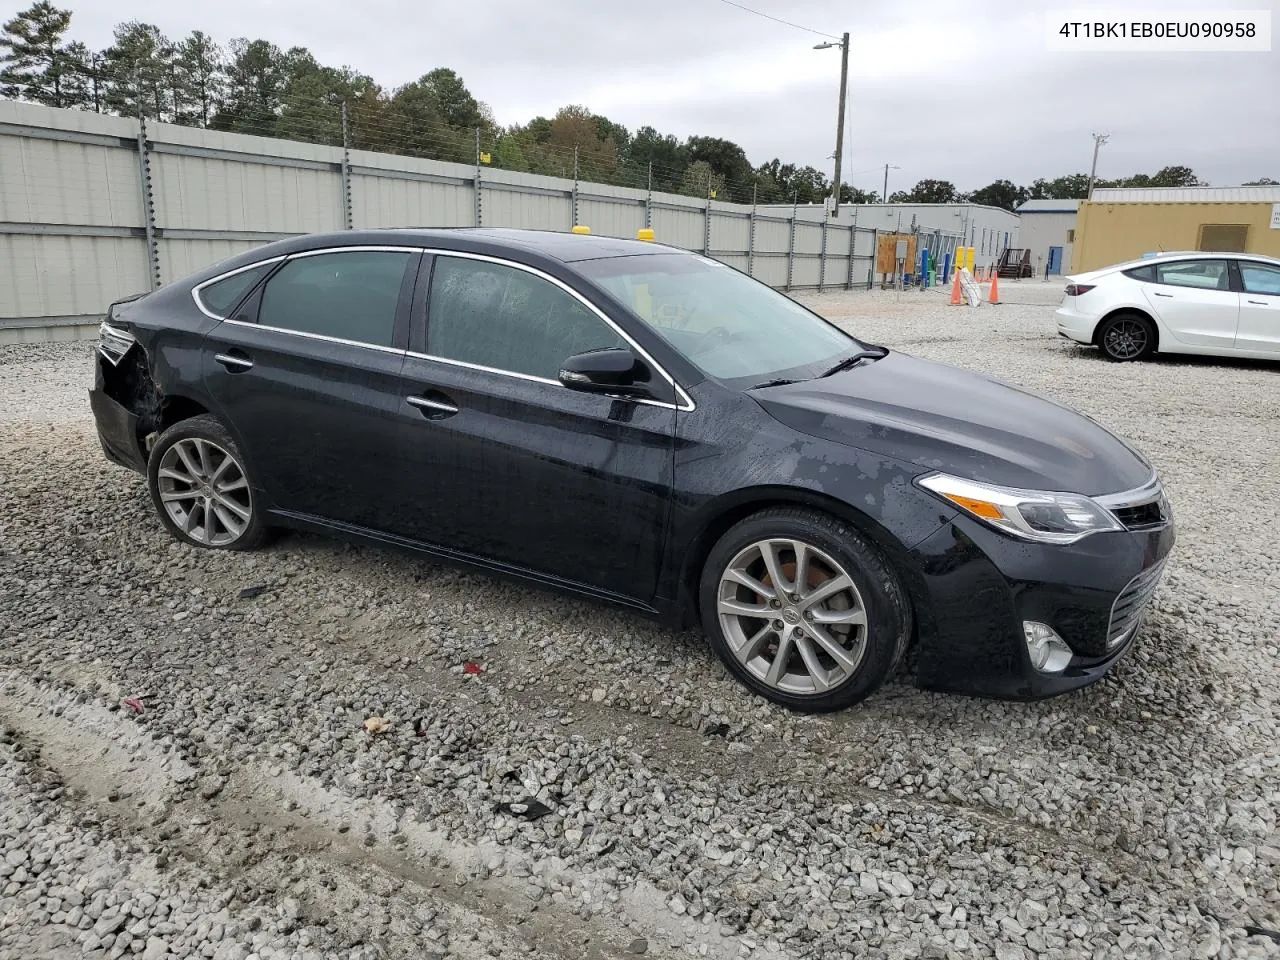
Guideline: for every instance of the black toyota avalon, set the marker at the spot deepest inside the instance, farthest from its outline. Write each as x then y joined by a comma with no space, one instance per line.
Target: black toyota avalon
648,427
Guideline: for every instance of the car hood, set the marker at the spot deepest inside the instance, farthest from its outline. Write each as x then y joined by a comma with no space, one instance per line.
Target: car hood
942,418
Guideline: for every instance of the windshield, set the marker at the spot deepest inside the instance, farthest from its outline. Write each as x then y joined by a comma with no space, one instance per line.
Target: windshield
729,326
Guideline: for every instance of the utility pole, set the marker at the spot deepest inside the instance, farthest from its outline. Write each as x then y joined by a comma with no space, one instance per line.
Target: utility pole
844,84
1098,140
884,197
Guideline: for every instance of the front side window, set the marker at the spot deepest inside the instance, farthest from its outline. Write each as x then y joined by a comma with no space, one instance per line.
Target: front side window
726,324
508,319
1203,274
222,296
349,295
1260,278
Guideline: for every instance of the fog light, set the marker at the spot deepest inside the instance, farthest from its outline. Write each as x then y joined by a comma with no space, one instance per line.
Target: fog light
1049,652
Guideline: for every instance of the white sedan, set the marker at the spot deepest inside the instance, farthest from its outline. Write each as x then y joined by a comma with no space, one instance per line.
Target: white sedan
1226,304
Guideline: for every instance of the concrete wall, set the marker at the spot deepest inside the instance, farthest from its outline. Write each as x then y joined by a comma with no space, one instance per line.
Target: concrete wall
90,212
1041,230
1108,233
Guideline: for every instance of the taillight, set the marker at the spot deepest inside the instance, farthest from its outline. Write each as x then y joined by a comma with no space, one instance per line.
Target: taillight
1079,289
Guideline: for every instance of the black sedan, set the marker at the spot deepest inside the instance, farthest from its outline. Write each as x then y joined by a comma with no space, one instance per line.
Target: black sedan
649,427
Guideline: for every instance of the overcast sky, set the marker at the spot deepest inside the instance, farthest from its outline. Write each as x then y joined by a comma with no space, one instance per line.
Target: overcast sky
961,91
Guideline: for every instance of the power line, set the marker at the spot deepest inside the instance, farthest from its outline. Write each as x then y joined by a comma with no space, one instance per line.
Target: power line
787,23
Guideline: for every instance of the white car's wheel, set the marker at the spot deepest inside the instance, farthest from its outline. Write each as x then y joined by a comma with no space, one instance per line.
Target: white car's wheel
1127,336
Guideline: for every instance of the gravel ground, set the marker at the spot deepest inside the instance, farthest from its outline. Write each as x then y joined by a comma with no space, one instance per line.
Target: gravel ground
245,811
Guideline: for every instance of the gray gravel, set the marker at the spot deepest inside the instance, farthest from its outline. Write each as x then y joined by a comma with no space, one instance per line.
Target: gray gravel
246,811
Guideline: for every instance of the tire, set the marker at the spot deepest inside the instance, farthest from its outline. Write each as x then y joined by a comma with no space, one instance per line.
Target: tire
218,515
1127,336
810,679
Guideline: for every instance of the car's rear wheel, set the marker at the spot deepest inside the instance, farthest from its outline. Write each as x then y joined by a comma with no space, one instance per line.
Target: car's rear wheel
201,488
803,609
1127,336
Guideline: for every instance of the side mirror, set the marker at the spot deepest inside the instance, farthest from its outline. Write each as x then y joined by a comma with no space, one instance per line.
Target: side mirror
612,370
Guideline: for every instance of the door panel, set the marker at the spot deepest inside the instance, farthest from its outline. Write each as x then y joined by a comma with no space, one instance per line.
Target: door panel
1194,300
1259,328
315,417
529,473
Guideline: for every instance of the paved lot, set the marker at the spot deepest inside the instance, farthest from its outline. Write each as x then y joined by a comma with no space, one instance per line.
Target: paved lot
246,810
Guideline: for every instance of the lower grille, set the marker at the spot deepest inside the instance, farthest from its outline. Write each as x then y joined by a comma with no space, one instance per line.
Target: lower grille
1133,599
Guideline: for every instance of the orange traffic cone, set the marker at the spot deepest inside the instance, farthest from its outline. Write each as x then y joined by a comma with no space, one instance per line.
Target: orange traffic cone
994,296
955,292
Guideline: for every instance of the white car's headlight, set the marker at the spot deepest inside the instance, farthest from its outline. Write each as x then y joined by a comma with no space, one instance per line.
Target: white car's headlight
1029,514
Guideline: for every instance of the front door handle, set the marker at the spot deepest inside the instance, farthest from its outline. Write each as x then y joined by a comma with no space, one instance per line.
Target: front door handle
1257,303
433,408
1158,294
235,362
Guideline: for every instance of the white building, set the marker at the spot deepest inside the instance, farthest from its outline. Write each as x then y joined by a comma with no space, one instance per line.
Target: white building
1049,230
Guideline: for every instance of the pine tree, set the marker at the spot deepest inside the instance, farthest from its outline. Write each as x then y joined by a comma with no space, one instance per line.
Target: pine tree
199,79
34,59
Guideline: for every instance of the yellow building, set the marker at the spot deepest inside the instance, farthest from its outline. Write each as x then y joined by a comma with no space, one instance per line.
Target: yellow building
1124,223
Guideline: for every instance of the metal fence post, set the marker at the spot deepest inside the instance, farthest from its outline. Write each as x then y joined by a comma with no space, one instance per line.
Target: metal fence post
575,186
479,190
148,202
648,201
348,221
791,247
706,222
822,255
875,255
853,250
751,233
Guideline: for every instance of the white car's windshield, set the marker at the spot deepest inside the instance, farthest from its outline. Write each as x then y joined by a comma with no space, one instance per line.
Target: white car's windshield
728,325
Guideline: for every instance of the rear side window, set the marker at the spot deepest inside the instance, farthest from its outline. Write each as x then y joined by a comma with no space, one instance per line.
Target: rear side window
221,298
1202,274
1146,274
348,295
508,319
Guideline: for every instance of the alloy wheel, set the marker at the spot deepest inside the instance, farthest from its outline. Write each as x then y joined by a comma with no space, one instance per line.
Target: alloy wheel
1126,339
205,492
792,616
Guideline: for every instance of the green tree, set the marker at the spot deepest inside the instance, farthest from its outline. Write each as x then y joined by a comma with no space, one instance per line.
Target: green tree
1074,186
454,101
668,156
928,191
255,88
35,63
138,71
700,180
850,194
199,70
1000,193
1262,182
725,157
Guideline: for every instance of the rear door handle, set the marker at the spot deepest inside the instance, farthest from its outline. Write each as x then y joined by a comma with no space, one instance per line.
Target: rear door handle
1158,294
1258,303
235,362
433,408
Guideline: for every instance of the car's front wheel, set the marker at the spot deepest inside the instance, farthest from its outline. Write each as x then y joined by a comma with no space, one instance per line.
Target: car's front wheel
803,609
201,488
1127,336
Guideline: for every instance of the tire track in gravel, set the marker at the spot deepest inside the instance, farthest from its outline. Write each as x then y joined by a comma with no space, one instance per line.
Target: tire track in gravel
351,849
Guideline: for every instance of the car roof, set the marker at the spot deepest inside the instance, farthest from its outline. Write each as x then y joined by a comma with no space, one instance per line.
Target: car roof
565,247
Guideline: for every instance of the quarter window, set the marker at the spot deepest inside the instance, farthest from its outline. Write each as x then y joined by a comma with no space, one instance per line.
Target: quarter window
222,296
349,295
1260,278
1204,274
509,319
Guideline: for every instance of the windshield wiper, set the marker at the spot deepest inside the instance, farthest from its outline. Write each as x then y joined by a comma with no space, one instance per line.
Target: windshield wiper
779,382
875,353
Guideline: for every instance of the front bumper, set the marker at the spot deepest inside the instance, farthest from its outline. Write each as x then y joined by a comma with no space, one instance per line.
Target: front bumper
1073,325
980,586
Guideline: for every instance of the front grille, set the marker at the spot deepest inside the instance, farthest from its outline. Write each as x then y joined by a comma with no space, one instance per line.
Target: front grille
1133,599
1141,515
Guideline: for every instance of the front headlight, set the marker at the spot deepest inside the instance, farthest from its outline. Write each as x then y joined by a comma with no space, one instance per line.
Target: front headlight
1029,514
